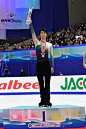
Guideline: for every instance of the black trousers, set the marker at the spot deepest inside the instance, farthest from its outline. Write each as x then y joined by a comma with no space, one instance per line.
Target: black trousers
44,69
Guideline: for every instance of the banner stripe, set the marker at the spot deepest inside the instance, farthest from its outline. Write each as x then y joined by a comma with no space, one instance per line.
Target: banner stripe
37,93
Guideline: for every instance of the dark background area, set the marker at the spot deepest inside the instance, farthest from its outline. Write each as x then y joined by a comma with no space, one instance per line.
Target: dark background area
77,12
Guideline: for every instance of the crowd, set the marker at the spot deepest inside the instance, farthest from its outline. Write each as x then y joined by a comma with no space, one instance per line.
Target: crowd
4,46
72,36
30,45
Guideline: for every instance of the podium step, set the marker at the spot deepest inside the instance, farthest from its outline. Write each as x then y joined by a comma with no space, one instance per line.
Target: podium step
62,116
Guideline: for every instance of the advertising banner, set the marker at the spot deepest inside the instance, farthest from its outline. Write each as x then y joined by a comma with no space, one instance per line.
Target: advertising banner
61,53
30,85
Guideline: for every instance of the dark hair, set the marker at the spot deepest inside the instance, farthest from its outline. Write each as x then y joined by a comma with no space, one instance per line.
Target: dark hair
43,29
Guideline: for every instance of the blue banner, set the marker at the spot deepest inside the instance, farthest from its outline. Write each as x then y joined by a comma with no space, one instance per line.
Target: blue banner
66,60
13,13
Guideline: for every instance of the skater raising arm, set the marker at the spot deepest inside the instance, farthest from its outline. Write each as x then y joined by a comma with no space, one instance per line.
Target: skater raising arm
43,51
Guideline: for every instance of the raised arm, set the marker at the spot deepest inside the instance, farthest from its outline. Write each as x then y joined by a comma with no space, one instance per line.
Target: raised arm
35,40
29,22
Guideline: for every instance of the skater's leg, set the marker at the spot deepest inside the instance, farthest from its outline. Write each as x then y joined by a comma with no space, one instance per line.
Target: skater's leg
41,87
47,83
41,81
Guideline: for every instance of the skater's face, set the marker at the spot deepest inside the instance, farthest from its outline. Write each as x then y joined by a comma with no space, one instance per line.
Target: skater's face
21,70
43,35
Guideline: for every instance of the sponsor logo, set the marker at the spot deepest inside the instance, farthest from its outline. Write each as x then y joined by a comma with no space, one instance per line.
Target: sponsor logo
18,85
43,124
71,84
10,20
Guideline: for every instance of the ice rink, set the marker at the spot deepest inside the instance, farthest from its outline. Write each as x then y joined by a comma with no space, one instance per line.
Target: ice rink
9,101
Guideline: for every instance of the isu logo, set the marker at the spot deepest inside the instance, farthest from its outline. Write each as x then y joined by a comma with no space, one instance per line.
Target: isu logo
17,85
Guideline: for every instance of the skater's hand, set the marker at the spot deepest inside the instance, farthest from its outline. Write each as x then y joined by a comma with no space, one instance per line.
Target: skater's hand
28,21
52,70
29,18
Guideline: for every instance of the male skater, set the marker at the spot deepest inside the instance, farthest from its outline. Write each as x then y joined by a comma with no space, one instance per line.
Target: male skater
43,69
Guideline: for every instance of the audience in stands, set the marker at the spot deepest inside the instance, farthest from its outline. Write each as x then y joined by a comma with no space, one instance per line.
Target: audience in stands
32,44
22,45
72,36
28,47
4,47
14,47
19,47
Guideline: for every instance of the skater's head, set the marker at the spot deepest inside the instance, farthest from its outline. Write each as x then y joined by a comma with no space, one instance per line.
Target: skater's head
21,70
43,33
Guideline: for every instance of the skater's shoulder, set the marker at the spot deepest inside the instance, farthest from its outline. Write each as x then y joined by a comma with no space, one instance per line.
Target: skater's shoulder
49,44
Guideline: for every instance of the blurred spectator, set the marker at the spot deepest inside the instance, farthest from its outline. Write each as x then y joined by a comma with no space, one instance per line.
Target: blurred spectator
1,48
65,42
28,44
29,47
7,45
75,43
60,74
22,45
19,47
14,48
5,73
62,43
73,32
56,45
71,43
50,38
68,42
53,41
32,45
22,73
80,42
47,40
4,47
47,37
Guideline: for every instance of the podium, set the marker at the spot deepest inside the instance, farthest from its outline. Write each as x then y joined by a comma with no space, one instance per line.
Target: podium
33,117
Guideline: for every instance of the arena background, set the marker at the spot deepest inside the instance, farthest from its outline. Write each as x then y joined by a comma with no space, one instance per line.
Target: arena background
53,14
